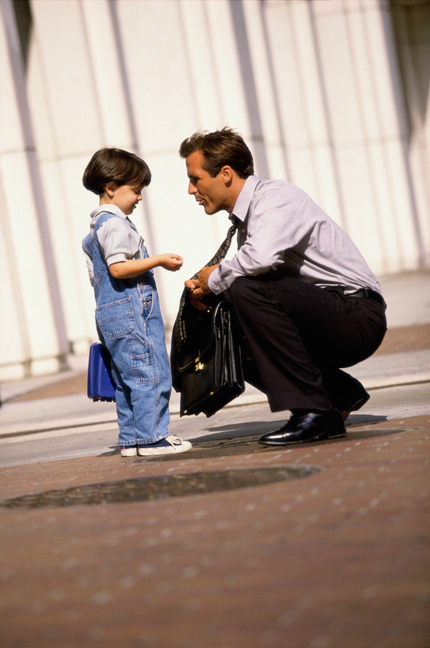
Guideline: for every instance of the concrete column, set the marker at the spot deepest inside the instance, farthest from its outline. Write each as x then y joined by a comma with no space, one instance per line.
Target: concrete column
31,254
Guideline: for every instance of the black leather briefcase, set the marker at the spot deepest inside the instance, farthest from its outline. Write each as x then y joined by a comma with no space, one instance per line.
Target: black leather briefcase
208,373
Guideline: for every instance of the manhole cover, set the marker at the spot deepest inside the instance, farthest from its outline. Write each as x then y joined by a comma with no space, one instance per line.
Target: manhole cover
160,487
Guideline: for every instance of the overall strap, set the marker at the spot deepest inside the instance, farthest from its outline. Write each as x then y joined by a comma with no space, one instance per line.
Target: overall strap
88,242
87,245
103,218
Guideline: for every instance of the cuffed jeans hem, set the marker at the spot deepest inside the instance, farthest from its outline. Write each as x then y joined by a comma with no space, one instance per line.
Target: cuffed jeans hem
142,445
141,441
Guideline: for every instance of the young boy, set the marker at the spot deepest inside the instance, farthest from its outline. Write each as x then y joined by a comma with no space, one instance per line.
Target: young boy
128,317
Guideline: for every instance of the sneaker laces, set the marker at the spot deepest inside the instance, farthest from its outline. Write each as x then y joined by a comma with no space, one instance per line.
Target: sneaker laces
173,440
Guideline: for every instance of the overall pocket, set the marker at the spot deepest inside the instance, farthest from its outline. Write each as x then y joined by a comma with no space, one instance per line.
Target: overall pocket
147,299
116,318
142,361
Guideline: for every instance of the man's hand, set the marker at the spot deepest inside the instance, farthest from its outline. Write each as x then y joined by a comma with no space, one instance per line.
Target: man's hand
196,300
198,288
203,278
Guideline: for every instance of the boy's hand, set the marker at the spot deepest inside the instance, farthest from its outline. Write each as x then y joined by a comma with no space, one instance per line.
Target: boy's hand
172,262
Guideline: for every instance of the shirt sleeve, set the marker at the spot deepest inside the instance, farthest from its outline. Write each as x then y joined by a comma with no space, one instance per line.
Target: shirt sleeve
118,240
272,227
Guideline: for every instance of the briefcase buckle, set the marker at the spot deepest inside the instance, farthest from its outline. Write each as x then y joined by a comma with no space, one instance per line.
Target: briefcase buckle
198,366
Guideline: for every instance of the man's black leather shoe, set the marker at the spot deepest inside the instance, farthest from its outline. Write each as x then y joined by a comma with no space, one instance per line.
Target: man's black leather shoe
314,426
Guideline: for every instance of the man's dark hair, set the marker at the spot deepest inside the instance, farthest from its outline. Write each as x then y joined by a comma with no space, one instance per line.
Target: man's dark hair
113,166
220,148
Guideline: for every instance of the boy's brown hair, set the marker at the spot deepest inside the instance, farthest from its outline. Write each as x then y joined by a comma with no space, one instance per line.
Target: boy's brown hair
115,167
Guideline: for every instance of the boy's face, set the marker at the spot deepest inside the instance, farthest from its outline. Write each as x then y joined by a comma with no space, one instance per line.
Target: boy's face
126,197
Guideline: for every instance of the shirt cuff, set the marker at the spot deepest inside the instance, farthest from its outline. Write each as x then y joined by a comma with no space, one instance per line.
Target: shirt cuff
116,258
214,282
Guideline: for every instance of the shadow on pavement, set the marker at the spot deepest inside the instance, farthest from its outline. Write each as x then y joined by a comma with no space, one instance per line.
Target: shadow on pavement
212,445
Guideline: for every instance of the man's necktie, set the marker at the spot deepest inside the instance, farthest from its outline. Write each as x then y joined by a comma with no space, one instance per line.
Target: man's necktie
180,329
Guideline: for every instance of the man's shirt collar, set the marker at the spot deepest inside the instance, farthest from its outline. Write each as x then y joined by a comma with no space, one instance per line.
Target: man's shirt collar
243,201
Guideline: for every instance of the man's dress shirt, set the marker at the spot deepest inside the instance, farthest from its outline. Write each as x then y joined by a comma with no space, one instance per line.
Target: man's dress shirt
282,229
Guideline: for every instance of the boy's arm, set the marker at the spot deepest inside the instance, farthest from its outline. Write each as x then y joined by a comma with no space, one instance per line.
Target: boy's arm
134,267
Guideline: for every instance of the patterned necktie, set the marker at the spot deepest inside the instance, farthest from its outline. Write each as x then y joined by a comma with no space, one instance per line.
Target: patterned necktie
180,329
223,248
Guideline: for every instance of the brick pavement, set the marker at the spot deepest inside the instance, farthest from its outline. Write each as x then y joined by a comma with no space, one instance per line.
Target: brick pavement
339,559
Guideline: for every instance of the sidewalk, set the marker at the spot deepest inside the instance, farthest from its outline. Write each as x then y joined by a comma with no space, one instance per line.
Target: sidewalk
50,402
233,545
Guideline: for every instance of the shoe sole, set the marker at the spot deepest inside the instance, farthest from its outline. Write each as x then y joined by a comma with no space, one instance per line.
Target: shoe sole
157,452
357,405
128,453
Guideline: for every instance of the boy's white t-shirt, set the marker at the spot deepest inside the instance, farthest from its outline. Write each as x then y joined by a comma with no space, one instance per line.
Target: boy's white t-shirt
119,238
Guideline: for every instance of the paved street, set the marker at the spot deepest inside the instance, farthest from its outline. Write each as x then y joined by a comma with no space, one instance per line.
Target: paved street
232,545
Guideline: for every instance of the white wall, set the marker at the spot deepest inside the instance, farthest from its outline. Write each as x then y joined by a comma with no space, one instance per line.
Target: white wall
333,96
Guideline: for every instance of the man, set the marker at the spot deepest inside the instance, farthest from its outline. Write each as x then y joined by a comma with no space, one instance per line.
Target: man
305,299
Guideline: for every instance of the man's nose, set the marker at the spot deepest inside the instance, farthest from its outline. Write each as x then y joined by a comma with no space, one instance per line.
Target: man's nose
191,189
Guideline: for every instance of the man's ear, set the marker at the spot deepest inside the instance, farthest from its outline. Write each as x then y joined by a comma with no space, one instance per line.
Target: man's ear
227,174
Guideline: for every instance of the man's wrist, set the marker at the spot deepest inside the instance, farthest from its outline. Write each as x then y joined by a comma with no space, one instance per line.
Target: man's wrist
213,281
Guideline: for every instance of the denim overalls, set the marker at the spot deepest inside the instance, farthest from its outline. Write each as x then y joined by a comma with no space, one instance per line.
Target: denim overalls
130,325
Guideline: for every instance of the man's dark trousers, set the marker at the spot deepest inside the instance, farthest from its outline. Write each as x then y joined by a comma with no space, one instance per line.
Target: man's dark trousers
299,335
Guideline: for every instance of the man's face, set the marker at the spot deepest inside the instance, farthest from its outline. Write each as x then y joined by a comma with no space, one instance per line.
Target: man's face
211,193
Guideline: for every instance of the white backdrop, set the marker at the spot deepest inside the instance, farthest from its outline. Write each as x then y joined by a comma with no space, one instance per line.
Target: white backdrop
332,95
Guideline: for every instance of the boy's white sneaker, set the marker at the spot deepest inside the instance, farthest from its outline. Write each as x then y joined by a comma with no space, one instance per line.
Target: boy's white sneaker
128,451
168,446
